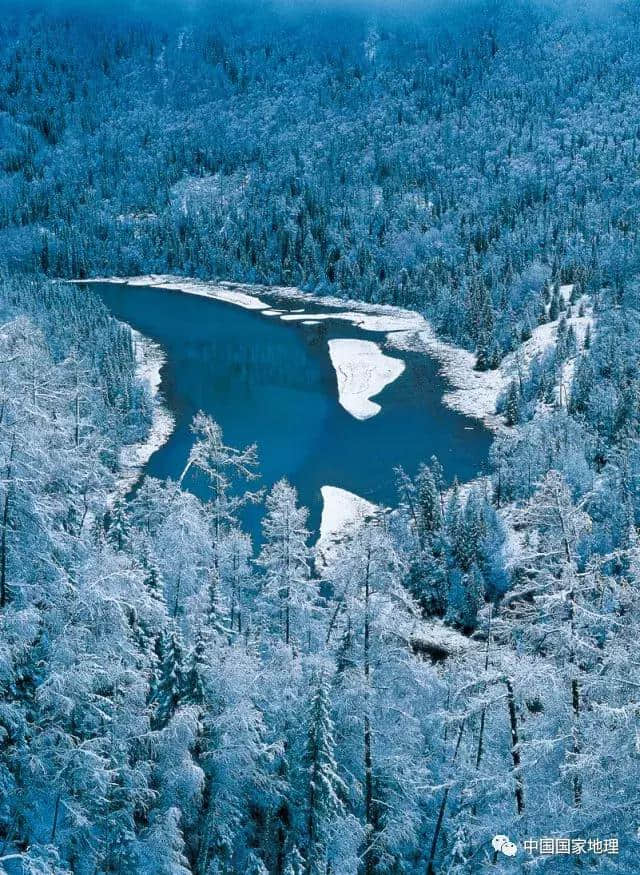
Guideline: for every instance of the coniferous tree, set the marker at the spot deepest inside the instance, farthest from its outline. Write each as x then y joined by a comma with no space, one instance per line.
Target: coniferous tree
118,525
222,466
512,408
169,684
285,556
430,519
326,787
465,598
193,692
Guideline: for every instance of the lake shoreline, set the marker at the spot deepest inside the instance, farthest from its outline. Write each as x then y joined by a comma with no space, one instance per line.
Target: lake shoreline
472,393
149,359
397,329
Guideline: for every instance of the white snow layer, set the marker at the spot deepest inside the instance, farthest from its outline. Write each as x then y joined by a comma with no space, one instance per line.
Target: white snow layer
219,292
342,513
341,509
475,393
363,371
229,292
149,360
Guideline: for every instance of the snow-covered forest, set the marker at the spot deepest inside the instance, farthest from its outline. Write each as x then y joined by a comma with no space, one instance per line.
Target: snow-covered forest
176,700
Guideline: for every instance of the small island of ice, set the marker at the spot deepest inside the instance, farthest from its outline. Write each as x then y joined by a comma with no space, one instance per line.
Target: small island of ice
340,509
363,371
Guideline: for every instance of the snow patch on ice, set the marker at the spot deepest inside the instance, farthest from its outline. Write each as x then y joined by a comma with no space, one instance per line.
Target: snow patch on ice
342,513
114,280
225,293
382,323
340,509
363,371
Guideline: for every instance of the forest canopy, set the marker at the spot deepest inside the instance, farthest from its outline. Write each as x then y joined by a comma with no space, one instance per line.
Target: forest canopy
177,699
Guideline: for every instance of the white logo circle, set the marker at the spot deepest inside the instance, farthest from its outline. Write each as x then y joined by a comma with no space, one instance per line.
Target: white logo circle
510,849
503,843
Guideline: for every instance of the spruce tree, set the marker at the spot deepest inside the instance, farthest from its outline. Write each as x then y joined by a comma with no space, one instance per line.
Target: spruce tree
214,610
169,685
326,787
482,353
255,866
430,519
118,532
466,596
194,690
285,555
153,583
512,409
438,477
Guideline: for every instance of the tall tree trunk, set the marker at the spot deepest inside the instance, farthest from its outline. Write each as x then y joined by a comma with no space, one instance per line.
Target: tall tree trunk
288,587
287,620
54,825
205,831
76,430
443,805
369,857
235,587
176,601
484,707
515,746
5,529
483,715
283,817
577,746
575,694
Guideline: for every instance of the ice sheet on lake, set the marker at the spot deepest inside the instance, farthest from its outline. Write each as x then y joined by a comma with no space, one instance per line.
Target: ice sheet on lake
341,508
363,371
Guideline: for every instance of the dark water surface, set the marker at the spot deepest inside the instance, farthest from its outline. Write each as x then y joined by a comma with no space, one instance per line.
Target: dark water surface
272,382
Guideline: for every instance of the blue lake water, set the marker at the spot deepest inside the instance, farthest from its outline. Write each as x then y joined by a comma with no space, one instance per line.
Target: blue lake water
271,382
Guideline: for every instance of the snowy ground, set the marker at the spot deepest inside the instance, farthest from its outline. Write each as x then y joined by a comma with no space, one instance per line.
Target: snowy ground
363,371
149,360
227,292
475,393
438,641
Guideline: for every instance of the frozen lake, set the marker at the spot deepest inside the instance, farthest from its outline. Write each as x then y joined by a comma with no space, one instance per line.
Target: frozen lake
272,382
